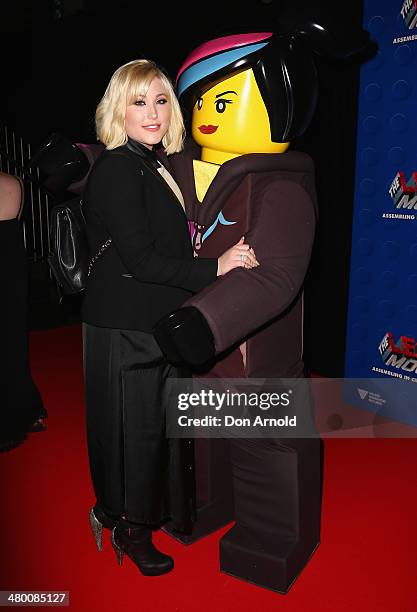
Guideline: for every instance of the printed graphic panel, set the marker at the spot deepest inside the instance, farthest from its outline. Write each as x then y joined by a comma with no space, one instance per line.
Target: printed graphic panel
382,322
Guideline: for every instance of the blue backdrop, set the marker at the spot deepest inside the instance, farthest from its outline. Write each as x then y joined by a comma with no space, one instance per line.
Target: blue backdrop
382,318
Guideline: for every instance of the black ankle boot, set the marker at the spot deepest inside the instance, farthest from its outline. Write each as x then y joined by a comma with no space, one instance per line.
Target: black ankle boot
98,520
137,544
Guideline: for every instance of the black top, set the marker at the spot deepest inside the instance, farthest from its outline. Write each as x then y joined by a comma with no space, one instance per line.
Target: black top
149,269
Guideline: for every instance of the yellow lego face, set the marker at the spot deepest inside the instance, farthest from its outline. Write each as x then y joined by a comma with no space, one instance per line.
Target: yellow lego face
231,118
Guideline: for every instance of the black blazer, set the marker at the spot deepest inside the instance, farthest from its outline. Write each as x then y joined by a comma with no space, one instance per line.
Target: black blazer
149,269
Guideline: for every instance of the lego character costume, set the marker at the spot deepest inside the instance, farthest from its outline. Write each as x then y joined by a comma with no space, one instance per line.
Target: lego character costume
248,188
250,94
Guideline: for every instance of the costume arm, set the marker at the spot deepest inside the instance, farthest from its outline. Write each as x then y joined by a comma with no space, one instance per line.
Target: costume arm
281,233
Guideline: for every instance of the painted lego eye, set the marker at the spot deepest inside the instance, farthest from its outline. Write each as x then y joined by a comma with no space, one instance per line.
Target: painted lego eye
199,103
221,104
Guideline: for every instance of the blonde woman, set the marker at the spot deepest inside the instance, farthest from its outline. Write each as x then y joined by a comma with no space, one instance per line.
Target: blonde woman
136,220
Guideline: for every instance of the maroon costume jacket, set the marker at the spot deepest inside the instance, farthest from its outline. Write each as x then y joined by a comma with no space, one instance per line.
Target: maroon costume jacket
256,316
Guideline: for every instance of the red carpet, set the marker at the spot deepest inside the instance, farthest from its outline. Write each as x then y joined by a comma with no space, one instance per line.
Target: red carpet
367,560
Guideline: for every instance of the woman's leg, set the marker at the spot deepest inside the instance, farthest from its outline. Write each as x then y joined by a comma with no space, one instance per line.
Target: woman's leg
103,416
20,400
158,472
136,471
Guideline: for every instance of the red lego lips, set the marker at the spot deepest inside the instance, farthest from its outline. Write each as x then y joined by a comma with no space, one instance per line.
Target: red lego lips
208,129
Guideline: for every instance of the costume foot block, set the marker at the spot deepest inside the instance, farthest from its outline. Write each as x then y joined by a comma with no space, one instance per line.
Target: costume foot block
262,559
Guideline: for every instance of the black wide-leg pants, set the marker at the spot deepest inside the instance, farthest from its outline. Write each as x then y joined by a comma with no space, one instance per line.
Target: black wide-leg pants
136,470
20,401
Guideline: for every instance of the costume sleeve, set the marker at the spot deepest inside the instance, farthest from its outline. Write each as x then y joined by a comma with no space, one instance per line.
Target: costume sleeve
118,195
282,234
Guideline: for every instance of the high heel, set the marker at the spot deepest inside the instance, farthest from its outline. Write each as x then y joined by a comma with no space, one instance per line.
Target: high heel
138,546
98,520
119,552
38,425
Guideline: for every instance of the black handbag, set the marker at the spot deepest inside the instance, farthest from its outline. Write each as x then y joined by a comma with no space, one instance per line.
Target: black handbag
69,257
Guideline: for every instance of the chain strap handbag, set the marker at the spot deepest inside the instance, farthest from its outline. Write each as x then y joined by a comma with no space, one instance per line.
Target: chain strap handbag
69,257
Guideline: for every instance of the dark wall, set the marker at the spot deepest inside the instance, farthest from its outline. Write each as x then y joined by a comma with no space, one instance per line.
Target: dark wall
331,141
69,60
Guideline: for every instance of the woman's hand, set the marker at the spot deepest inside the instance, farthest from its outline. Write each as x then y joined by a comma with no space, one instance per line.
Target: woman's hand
238,256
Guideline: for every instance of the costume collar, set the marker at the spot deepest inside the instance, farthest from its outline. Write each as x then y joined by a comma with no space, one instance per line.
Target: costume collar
230,174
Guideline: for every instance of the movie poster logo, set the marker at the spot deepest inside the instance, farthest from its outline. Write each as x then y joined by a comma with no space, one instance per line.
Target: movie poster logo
400,356
408,13
403,195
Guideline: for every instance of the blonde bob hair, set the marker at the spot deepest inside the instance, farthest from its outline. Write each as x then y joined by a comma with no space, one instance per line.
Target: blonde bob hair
128,83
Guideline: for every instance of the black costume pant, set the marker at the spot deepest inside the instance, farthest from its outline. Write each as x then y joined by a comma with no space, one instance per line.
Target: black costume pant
272,488
277,487
136,471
